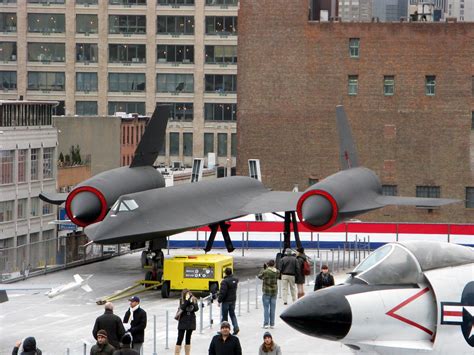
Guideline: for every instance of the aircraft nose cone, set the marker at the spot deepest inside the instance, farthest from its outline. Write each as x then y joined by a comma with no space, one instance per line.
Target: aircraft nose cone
316,210
86,206
322,314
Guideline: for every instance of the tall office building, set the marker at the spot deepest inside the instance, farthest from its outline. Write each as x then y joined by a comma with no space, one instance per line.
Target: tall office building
390,10
355,10
102,57
463,10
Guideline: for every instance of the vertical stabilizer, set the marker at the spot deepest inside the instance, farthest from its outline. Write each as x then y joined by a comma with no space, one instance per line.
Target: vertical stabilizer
347,152
153,138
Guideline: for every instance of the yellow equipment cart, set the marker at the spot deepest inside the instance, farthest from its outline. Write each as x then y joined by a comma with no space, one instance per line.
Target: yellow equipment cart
194,272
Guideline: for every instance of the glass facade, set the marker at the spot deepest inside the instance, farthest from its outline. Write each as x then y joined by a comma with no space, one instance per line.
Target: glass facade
175,83
46,81
126,82
127,24
127,107
87,53
86,82
7,22
221,83
86,24
127,53
46,23
175,25
8,80
175,53
8,52
221,54
46,52
86,108
221,25
220,112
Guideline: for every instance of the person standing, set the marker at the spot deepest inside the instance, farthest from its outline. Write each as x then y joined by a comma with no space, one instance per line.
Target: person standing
227,297
111,323
135,323
225,343
102,347
26,346
125,346
288,271
188,305
301,259
269,347
269,275
324,279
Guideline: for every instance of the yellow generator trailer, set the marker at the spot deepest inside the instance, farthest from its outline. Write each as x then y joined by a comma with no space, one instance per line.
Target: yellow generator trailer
195,272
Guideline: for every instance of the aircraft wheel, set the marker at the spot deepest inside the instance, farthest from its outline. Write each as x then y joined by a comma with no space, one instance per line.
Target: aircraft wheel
214,288
144,259
165,289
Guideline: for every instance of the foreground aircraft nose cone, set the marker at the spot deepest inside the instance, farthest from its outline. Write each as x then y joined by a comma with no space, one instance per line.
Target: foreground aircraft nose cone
316,210
321,314
86,206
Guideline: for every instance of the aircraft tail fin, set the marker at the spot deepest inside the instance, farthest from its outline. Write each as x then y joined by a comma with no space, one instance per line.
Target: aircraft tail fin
53,197
153,139
78,278
347,152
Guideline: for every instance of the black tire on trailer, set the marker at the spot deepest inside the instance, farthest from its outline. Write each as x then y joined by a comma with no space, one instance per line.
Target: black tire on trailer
165,289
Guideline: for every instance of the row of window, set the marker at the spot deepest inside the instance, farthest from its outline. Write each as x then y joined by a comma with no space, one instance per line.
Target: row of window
131,2
7,209
118,53
27,169
209,140
120,24
388,86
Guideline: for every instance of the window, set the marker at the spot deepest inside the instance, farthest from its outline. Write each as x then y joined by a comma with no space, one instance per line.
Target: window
7,22
47,208
86,82
221,54
469,197
21,208
428,191
221,83
46,23
388,85
353,84
233,144
48,167
34,207
220,112
174,143
53,81
87,52
176,2
86,108
175,54
175,83
7,157
127,107
430,85
175,25
7,51
46,2
127,53
222,144
8,80
127,24
181,111
389,190
86,2
221,25
22,159
472,120
222,2
126,82
188,144
6,211
127,2
208,143
312,181
34,164
86,24
46,52
354,44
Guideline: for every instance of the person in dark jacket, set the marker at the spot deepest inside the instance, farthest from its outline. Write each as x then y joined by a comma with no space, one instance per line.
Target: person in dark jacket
288,272
324,279
26,347
227,297
111,323
187,321
135,323
299,275
102,347
225,343
125,347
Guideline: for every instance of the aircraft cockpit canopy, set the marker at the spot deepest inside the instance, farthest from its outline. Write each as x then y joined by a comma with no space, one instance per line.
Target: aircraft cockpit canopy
124,205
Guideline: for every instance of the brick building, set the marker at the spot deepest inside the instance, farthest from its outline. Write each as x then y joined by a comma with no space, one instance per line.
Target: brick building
406,87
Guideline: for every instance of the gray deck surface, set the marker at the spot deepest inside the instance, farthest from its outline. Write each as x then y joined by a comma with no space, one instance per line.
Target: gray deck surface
66,321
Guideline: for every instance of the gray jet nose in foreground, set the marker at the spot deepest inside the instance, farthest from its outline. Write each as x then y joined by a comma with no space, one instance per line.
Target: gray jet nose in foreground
322,314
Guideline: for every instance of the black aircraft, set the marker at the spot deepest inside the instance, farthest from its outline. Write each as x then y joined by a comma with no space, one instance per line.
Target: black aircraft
139,215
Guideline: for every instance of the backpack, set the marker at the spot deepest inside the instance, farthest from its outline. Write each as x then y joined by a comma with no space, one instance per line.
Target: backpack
306,268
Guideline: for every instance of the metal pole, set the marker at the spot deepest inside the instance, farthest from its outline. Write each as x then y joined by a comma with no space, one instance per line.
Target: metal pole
314,267
248,295
318,245
338,257
332,260
210,314
67,351
85,348
167,329
368,238
256,292
280,242
201,315
154,332
168,245
349,255
243,236
279,288
240,296
197,239
247,238
327,257
344,257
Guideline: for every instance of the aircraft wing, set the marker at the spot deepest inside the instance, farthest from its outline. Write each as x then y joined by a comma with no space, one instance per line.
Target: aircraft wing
414,201
163,212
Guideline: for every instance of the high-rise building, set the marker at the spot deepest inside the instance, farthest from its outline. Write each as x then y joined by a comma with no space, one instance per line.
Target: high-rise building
390,10
356,10
27,166
101,57
463,10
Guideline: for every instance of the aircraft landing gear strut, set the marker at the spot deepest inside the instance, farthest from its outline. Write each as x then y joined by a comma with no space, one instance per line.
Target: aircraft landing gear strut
225,234
290,219
155,258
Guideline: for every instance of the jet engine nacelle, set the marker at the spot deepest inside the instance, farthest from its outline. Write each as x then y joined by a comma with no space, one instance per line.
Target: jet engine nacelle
339,197
89,202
